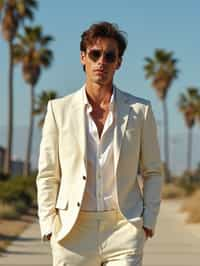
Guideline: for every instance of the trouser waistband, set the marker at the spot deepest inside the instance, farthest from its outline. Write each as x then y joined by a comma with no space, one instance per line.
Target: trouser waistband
100,214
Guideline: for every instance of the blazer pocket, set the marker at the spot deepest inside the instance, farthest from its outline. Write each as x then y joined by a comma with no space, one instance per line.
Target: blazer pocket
131,133
137,222
62,205
131,130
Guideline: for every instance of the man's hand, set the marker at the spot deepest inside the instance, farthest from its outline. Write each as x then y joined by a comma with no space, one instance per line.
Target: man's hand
47,237
148,232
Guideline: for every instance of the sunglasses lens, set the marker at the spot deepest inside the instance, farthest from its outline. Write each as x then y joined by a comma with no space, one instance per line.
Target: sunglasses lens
109,56
94,55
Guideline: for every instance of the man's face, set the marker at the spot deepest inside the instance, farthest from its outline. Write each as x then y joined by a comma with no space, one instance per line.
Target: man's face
101,60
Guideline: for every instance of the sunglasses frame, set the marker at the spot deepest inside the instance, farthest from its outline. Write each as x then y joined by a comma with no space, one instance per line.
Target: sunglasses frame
110,56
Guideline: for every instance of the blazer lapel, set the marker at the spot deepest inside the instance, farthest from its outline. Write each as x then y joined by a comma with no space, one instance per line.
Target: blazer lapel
122,112
79,125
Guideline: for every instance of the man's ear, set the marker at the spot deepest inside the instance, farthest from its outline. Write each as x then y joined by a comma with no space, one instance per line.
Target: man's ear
119,63
82,57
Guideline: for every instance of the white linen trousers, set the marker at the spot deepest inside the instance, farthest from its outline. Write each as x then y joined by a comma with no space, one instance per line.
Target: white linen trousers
103,238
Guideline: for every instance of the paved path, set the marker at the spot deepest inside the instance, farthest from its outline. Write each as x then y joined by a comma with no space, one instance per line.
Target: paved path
175,244
27,250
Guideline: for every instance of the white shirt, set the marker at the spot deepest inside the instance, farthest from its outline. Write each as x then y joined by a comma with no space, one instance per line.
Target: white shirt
101,189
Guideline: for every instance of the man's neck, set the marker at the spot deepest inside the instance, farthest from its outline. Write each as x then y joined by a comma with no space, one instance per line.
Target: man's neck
98,94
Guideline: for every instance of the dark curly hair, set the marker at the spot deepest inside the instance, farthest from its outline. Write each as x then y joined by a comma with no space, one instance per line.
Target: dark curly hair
105,30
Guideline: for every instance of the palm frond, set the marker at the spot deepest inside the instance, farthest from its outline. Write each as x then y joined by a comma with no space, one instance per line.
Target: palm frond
149,60
41,102
32,3
18,53
2,3
162,69
189,105
29,14
46,40
36,54
46,57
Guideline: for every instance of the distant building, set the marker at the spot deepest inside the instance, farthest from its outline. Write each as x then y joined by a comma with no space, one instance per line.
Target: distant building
16,164
17,167
2,154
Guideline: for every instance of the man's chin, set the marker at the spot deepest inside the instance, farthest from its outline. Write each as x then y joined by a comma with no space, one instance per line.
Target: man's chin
100,81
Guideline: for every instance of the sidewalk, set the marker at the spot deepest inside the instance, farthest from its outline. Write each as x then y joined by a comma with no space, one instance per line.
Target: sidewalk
27,250
175,244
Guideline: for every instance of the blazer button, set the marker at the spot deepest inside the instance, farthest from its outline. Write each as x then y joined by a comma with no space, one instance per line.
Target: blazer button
84,177
78,204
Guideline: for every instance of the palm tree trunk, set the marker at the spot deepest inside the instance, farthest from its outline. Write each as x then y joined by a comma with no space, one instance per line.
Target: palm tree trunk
189,151
166,144
27,163
8,152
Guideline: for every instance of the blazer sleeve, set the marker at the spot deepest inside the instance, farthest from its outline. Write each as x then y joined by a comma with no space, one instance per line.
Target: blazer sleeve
48,177
150,167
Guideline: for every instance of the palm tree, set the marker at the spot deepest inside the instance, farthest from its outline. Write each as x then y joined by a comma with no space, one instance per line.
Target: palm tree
188,106
162,70
198,108
12,13
33,53
41,104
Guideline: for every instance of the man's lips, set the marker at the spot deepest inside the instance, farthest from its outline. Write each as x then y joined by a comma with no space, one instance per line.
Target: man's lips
100,71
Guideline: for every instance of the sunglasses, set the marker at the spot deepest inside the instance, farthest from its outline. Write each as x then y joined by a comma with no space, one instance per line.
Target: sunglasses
109,56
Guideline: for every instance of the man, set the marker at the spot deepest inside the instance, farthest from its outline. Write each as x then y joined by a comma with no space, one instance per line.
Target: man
94,144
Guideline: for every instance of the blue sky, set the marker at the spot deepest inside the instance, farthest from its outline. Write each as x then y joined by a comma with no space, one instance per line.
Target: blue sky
172,25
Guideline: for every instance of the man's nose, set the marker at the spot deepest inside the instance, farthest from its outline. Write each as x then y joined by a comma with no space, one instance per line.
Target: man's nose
102,59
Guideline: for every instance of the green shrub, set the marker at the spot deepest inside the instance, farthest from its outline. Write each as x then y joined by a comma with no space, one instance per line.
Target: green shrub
3,176
191,205
189,185
8,211
13,191
18,189
21,207
172,191
17,195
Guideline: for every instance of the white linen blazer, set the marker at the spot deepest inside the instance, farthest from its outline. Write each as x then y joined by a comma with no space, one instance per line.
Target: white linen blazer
62,173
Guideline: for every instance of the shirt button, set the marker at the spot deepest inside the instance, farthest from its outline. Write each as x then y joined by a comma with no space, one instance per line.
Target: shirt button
84,177
78,204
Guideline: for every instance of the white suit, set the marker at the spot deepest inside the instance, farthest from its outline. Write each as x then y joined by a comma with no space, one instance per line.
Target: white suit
62,174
